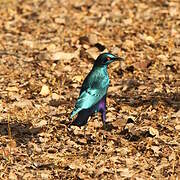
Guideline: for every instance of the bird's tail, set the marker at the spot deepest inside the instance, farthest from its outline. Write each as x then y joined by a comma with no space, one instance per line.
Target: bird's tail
74,112
81,119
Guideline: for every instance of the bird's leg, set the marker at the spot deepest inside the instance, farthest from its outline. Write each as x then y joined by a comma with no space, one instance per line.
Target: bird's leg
103,115
101,107
102,110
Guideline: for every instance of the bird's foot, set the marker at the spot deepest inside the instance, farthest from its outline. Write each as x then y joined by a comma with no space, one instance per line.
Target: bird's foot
105,126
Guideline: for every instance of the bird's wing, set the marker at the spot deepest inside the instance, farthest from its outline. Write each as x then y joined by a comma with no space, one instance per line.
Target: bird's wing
87,82
89,96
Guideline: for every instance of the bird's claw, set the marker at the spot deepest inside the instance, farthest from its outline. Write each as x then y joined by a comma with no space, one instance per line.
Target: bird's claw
105,126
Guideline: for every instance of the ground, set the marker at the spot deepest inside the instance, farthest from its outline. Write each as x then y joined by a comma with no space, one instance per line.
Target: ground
47,47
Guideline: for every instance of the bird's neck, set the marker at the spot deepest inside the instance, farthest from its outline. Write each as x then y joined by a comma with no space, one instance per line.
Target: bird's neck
102,69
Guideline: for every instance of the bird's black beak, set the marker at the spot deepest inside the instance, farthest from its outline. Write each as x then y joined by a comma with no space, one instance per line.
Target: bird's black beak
118,58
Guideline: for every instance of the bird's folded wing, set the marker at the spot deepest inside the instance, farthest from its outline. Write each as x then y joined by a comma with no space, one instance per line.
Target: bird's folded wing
88,98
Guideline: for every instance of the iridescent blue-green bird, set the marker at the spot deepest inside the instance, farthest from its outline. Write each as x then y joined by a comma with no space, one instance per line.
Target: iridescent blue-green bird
93,92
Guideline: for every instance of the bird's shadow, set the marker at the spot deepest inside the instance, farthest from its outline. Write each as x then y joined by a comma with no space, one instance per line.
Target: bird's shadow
22,133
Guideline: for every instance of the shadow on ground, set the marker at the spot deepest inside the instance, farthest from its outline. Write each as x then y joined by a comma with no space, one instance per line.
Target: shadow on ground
169,99
21,132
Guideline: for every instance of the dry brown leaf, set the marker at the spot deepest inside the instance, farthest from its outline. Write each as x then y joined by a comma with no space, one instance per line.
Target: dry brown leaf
128,44
177,127
51,47
125,172
162,57
55,96
46,175
12,89
12,176
172,156
23,103
41,123
75,165
93,52
78,78
83,141
177,114
65,56
27,176
154,132
142,65
93,39
148,39
101,171
156,149
45,90
55,44
29,43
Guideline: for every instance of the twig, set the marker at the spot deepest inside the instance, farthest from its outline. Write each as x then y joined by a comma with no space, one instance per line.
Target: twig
8,53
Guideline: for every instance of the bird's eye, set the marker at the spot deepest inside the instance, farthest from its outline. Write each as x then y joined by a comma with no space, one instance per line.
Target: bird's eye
108,58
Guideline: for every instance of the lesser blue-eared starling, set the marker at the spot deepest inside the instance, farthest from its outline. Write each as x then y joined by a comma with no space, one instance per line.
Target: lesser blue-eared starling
93,92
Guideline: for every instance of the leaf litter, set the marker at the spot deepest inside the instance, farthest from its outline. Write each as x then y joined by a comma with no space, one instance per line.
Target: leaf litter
46,50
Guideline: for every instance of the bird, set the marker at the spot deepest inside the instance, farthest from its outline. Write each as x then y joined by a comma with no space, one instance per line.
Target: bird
92,97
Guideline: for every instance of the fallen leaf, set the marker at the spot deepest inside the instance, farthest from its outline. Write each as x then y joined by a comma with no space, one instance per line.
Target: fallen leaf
23,103
143,64
65,56
45,175
177,127
172,156
27,176
55,96
12,89
29,43
93,39
60,20
128,44
177,114
77,78
101,171
45,90
41,123
156,149
125,172
162,57
12,176
93,52
51,47
75,165
148,39
154,132
83,140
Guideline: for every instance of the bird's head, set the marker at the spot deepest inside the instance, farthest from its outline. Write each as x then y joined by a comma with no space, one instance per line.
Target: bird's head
106,59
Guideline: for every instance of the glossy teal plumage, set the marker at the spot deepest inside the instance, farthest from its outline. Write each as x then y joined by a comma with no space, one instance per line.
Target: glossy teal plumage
92,96
93,89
